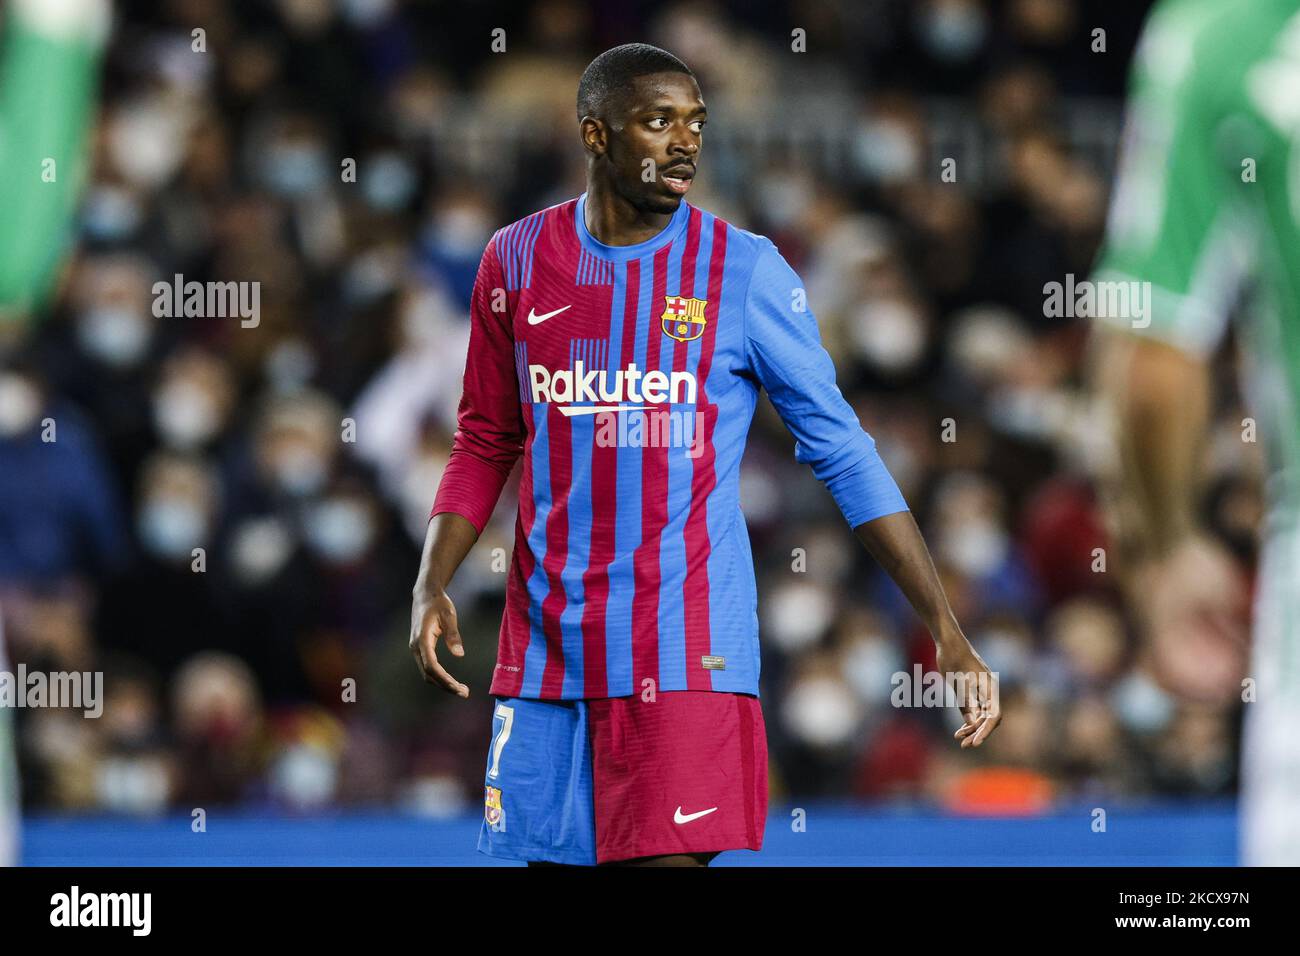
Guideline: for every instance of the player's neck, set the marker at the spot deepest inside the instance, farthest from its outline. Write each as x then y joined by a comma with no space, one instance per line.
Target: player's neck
613,220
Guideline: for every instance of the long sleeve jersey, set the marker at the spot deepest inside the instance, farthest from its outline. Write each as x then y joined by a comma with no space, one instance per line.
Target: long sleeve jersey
626,378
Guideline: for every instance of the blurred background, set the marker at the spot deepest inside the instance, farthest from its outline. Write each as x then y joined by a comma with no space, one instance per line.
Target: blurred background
227,688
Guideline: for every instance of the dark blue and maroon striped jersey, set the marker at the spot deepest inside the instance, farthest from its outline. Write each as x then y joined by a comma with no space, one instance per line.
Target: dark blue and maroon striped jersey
626,378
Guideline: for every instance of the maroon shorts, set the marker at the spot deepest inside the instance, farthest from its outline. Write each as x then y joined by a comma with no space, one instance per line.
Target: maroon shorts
686,773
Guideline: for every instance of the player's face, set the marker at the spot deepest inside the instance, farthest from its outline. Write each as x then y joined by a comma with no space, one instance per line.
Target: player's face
654,144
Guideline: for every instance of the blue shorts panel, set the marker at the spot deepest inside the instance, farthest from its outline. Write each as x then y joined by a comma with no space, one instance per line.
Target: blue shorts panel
537,788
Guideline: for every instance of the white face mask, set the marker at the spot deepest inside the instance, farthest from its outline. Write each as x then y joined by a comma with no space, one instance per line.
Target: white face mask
1007,655
869,666
339,530
1142,705
147,141
304,776
110,214
976,547
365,13
259,549
954,31
370,275
115,335
461,232
186,417
798,615
389,181
171,528
289,366
889,335
295,169
299,472
885,150
821,711
20,404
132,784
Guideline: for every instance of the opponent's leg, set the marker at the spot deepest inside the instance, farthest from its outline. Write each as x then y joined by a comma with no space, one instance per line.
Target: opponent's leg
1270,760
9,804
8,794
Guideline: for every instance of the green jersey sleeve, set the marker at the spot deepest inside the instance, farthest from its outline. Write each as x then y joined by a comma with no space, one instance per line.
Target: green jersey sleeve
1174,225
49,63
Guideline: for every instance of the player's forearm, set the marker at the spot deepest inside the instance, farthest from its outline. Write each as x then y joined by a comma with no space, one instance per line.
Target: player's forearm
1160,399
447,541
897,545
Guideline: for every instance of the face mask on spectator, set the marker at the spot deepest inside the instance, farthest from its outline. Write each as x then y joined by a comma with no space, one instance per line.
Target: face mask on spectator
1142,705
294,169
976,548
147,141
20,404
304,776
339,530
953,31
1007,656
110,214
388,182
185,415
821,711
171,528
885,150
289,366
869,667
889,335
132,784
365,13
259,548
115,335
460,232
800,613
298,471
367,277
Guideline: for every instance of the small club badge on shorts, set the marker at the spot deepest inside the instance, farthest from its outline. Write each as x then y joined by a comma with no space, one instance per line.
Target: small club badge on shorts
493,812
683,318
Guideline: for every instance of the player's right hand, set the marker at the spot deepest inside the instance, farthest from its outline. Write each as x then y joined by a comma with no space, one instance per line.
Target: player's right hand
433,617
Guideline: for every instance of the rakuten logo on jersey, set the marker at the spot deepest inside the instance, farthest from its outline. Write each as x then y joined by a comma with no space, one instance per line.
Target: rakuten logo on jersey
611,391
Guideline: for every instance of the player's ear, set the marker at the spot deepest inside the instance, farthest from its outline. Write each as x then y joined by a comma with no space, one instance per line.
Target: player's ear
594,135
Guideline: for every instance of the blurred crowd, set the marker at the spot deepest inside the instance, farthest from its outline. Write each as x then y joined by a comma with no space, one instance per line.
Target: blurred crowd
301,455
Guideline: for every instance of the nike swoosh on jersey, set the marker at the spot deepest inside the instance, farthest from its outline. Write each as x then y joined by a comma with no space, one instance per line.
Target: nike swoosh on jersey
680,817
535,319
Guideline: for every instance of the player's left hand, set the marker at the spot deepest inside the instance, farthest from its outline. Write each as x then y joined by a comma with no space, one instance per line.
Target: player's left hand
978,686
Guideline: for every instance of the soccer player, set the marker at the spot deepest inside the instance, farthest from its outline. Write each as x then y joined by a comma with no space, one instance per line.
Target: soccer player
1208,200
49,77
618,343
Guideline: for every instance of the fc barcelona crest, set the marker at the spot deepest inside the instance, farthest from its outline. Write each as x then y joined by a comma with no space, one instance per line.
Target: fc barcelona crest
683,318
493,812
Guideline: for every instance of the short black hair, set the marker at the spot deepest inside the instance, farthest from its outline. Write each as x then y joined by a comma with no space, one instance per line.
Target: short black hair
611,72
